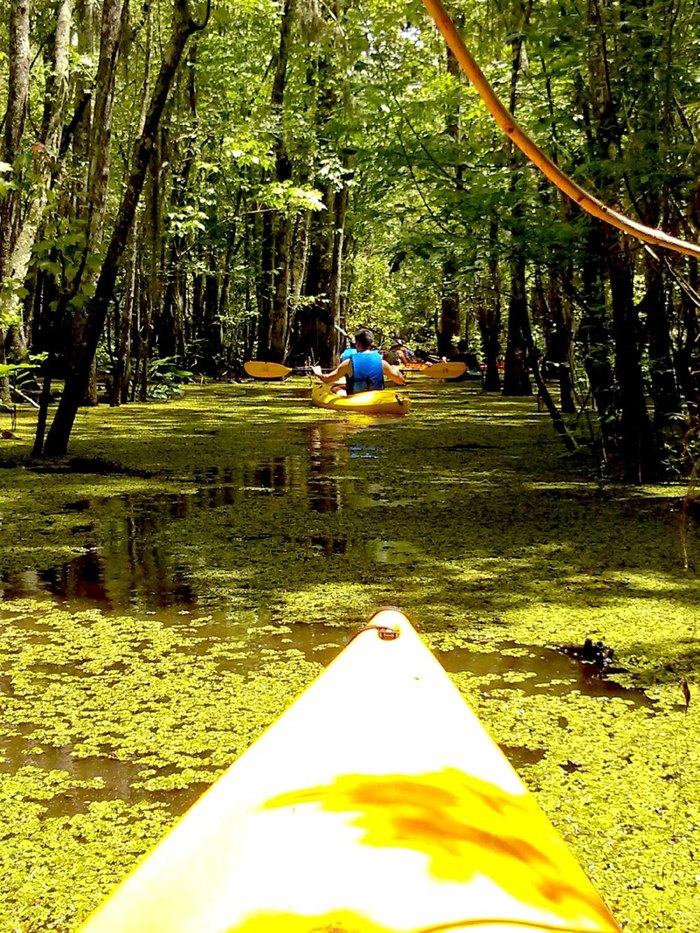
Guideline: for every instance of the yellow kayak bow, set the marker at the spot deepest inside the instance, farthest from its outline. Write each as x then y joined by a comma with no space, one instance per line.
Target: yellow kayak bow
376,804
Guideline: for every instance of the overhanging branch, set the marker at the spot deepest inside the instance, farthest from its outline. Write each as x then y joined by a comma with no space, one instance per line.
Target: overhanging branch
519,137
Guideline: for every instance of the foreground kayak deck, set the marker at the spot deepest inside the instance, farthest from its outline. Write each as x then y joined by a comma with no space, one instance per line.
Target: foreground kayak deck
377,803
375,402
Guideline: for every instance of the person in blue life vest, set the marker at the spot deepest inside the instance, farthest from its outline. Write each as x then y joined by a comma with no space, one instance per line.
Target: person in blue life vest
348,351
365,370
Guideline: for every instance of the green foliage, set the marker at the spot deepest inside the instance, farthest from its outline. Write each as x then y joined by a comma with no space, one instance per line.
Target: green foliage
6,183
166,378
291,199
62,256
19,371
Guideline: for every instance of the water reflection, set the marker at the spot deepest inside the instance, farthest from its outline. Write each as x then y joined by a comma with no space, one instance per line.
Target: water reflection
537,670
133,570
117,779
129,562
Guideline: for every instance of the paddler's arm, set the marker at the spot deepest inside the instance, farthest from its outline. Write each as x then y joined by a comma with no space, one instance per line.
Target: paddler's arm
393,373
329,378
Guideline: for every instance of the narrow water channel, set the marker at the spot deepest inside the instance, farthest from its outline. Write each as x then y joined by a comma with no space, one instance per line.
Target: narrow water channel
208,561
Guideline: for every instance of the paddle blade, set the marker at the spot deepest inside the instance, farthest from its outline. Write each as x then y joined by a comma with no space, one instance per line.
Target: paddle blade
260,370
445,370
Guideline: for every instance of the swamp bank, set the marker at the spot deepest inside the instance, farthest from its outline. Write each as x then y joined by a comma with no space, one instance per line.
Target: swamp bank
167,589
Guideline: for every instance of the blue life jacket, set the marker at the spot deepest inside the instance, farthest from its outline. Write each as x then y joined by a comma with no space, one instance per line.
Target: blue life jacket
367,372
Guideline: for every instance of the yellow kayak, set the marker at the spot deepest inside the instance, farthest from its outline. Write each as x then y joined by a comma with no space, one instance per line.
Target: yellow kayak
374,402
376,804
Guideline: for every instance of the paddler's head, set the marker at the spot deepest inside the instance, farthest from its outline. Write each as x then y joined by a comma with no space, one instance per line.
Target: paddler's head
364,339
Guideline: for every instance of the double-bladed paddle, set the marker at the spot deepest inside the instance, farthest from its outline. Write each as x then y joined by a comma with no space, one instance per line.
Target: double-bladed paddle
259,369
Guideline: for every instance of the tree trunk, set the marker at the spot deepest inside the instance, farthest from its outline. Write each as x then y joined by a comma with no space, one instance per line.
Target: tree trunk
664,388
517,378
276,227
638,443
317,332
18,234
183,26
490,315
122,330
15,114
448,328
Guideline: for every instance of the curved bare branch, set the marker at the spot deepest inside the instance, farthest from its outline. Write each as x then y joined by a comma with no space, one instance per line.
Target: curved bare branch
519,137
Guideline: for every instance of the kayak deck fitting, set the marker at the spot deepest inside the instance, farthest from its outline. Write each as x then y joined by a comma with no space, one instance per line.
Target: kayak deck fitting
377,803
374,402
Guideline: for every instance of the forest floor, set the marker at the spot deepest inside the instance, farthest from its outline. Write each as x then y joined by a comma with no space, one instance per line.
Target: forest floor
168,588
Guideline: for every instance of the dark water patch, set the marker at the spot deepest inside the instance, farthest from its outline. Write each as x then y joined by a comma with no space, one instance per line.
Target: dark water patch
393,552
130,559
328,546
7,687
466,447
519,756
536,670
78,799
324,494
99,466
80,505
66,669
105,580
363,451
224,476
275,473
21,751
134,571
319,644
116,778
571,767
111,580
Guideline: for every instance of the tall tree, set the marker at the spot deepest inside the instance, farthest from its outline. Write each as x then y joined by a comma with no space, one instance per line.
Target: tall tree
182,27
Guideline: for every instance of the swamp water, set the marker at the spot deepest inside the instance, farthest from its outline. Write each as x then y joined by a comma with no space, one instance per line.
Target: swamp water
166,594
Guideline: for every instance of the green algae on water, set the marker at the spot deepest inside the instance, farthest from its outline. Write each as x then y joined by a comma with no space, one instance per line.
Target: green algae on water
186,572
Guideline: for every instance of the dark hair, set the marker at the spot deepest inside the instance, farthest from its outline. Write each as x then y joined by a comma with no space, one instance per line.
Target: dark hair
364,338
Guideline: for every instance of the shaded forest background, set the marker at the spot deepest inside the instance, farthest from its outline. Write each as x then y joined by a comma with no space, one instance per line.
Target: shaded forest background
185,185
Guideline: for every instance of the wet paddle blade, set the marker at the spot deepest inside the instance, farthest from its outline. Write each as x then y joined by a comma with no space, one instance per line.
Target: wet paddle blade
260,370
444,370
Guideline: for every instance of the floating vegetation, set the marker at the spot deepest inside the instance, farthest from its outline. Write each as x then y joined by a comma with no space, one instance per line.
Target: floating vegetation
166,592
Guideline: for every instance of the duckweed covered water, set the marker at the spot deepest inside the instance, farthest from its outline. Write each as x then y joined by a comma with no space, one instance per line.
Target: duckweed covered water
169,588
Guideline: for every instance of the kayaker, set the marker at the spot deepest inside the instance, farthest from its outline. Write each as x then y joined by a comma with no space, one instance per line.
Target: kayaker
365,370
348,351
397,354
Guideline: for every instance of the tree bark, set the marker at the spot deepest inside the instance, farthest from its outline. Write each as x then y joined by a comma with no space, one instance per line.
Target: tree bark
183,26
18,233
15,114
276,227
638,443
490,314
448,323
516,379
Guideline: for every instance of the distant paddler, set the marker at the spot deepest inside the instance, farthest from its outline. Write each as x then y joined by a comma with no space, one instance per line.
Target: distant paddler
365,370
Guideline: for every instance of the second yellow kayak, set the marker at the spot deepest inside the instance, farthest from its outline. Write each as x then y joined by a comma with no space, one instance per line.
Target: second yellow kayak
375,402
